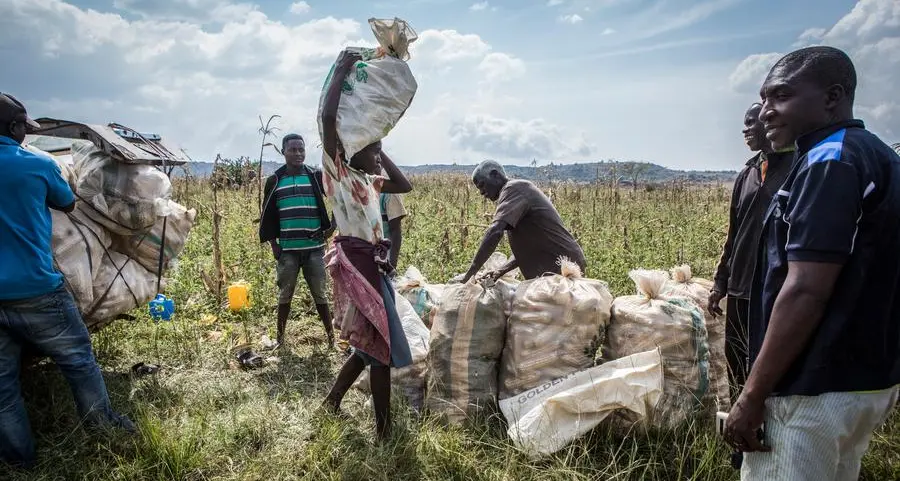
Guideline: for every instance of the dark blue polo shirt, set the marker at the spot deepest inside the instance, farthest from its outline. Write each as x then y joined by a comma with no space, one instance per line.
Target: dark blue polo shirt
30,184
840,204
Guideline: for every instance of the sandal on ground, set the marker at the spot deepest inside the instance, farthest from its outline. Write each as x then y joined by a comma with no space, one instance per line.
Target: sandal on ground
250,360
142,369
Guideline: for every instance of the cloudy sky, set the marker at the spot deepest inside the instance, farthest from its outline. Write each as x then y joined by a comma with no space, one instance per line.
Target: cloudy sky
665,81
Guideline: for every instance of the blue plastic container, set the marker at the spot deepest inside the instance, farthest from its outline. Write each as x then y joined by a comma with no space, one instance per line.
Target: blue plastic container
162,308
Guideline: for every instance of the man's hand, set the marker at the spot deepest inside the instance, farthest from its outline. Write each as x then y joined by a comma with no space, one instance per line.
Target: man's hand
713,303
743,422
492,276
276,250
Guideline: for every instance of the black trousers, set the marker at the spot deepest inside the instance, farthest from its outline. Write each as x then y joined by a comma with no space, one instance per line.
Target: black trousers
737,337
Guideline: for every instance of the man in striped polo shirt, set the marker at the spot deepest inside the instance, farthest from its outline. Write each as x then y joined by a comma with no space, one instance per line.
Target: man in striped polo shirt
296,224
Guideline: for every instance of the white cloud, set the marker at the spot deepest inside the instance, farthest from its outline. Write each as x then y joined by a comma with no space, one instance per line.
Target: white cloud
448,45
808,35
477,7
553,3
202,11
299,8
608,31
520,140
870,34
499,67
660,20
571,19
749,75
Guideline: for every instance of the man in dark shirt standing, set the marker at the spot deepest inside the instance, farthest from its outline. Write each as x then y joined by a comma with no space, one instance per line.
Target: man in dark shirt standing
537,236
825,310
753,191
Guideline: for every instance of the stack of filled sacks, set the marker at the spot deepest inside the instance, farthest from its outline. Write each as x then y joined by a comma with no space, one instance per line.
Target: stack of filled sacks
108,249
684,284
466,343
555,328
655,318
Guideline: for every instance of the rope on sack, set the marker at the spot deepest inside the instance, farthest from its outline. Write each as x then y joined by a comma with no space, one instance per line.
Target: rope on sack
96,304
162,254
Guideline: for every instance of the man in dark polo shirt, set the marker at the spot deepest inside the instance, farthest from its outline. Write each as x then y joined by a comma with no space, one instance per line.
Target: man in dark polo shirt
296,224
753,191
825,315
536,233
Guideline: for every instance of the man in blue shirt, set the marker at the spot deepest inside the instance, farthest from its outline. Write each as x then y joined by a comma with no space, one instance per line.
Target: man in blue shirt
825,309
35,308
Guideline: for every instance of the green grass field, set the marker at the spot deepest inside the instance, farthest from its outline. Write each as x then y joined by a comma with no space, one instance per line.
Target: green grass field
202,418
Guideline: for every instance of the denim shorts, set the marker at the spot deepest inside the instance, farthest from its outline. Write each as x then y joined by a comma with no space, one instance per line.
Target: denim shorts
312,264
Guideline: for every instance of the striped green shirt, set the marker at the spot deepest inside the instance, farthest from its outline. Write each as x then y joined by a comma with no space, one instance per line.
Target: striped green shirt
298,214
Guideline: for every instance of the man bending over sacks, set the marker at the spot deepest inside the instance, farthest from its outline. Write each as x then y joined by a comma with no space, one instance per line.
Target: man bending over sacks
536,233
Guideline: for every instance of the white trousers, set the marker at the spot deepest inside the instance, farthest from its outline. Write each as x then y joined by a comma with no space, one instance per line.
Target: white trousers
818,438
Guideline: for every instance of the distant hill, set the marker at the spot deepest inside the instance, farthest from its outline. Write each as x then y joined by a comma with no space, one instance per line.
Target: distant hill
588,172
627,172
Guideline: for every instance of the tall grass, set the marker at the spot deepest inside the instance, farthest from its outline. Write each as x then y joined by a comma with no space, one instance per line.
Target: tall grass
203,418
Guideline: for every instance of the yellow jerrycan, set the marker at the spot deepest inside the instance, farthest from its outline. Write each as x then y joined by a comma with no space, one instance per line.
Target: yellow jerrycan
239,296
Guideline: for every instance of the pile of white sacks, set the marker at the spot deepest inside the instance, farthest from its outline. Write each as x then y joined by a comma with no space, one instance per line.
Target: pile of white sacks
109,248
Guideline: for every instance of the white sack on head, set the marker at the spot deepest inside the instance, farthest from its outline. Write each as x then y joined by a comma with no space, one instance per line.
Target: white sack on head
377,90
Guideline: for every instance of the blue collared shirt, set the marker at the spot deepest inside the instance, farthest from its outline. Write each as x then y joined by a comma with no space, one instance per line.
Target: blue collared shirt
29,186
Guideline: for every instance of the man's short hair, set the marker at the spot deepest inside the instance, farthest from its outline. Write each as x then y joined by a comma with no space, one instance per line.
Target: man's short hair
289,137
484,169
823,66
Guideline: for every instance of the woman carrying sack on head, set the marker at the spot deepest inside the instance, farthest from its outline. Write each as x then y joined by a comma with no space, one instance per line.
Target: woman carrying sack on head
358,260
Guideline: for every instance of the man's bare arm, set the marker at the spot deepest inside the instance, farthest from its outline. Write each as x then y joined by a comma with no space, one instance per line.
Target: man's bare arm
509,266
489,243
